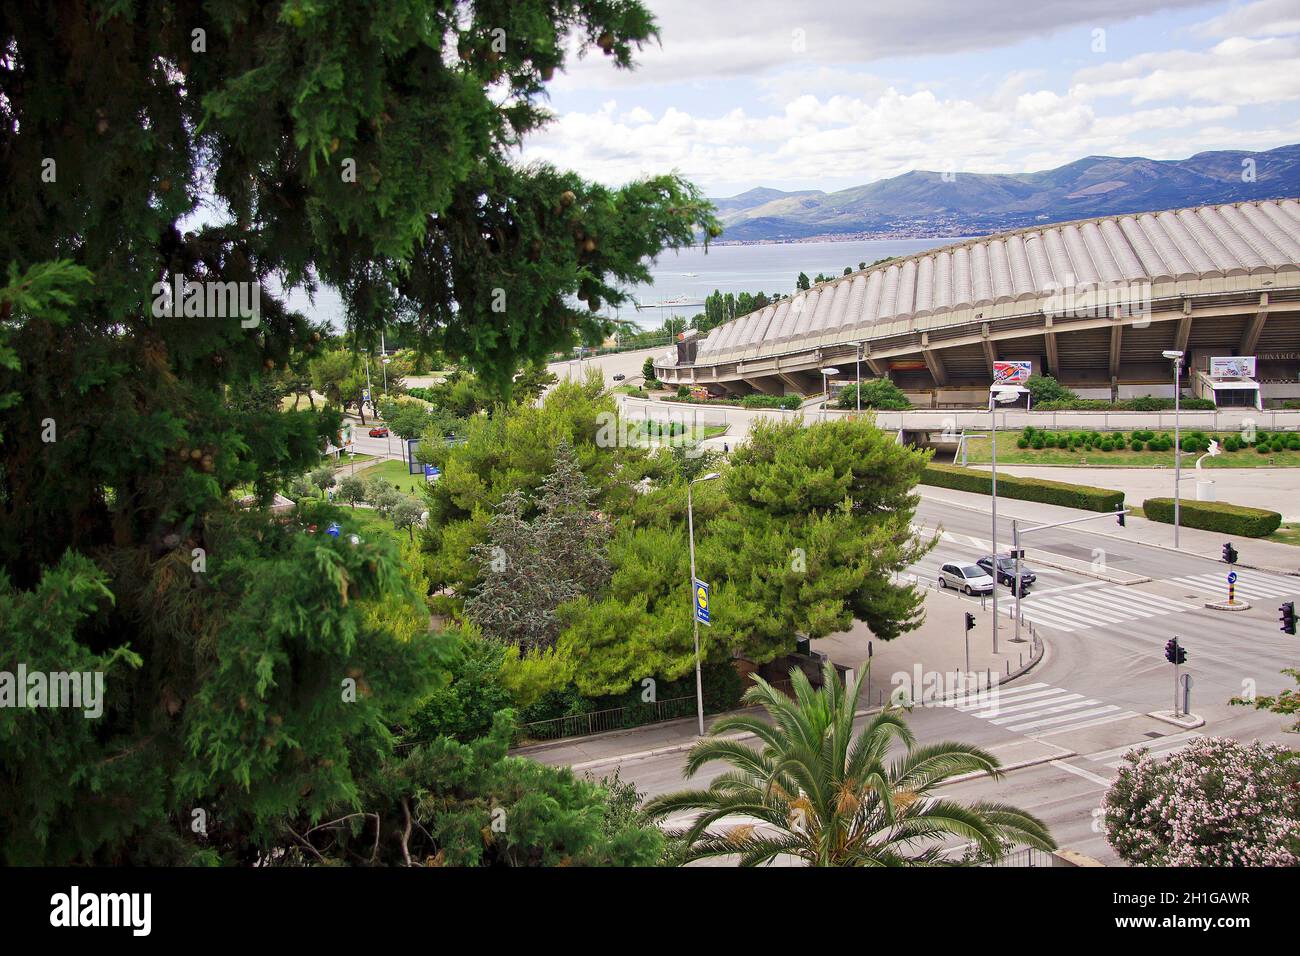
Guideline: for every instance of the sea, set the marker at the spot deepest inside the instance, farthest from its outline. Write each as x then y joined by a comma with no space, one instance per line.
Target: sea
684,277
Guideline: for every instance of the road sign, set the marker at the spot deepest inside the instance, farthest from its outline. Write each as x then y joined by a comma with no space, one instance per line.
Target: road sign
431,473
1232,577
333,530
701,602
1011,373
365,395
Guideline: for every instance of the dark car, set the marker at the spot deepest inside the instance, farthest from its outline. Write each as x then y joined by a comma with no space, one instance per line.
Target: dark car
380,432
619,377
1007,571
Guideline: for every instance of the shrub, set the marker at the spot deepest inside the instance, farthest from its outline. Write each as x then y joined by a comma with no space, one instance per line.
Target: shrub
1022,442
1216,802
683,391
1214,516
1044,388
770,401
1024,489
876,393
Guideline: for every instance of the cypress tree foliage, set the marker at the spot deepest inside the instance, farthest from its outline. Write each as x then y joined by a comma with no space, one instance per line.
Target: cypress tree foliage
249,147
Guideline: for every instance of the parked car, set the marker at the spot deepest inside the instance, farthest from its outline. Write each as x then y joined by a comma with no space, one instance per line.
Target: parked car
967,578
380,432
619,377
1007,571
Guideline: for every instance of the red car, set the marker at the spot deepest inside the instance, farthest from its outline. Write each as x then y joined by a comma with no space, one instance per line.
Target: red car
380,432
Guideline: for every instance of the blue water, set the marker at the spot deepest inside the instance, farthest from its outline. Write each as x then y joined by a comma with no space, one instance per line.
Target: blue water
769,267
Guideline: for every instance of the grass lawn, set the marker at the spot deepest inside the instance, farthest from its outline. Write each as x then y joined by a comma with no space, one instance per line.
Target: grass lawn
394,471
1008,454
1289,533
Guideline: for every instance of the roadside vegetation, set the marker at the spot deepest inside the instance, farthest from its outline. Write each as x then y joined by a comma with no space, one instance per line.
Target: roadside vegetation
1138,448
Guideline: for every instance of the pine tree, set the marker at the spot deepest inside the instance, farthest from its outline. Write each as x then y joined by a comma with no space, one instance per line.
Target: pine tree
365,146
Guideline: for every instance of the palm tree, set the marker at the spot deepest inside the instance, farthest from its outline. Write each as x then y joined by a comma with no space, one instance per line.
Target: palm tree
817,791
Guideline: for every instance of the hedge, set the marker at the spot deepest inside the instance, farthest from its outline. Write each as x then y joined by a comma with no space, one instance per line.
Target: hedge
1215,516
1024,489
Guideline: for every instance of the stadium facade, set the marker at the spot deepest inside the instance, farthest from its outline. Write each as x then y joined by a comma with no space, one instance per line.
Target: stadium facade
1094,303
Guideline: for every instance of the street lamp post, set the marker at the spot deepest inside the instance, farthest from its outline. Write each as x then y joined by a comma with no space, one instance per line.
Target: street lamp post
695,618
997,394
826,388
1177,358
859,370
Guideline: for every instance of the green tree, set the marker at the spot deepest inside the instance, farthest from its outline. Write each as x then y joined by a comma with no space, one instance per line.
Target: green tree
832,796
1044,388
1287,702
352,490
819,523
802,282
531,567
370,148
514,450
648,371
448,803
406,419
876,393
406,514
322,477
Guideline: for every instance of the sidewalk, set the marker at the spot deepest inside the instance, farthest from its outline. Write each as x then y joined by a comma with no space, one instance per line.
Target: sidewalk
936,651
1255,553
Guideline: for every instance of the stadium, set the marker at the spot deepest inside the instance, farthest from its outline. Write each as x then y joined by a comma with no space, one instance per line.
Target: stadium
1094,303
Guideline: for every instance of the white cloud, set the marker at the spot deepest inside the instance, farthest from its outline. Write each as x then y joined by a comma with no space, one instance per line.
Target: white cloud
1263,18
815,120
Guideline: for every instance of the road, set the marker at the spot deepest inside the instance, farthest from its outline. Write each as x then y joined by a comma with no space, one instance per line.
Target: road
1103,674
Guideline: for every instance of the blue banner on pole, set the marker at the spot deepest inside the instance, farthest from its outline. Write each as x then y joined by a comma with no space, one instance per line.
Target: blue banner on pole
701,602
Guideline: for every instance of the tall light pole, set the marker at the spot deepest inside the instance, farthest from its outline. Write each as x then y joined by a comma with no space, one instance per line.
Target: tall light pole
1177,358
695,618
859,345
826,388
997,394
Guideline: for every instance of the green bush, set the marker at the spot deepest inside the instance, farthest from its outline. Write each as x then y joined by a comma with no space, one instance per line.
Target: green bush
1214,516
771,401
876,393
1024,489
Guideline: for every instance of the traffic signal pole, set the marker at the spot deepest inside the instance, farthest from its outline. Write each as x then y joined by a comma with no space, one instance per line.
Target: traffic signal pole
1016,586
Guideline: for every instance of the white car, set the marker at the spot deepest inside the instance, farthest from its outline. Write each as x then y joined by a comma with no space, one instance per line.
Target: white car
967,578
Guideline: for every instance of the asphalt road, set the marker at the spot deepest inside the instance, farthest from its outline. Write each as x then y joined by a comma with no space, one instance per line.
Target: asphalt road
1103,674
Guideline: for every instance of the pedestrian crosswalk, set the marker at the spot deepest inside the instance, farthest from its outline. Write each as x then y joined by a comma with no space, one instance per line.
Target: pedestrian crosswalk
1033,709
1249,585
1158,747
1084,606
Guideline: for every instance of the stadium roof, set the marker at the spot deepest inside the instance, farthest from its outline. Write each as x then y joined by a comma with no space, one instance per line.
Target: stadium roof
1011,273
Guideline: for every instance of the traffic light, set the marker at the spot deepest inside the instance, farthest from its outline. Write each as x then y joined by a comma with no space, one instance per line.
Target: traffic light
1119,515
1174,653
1288,617
1229,553
970,622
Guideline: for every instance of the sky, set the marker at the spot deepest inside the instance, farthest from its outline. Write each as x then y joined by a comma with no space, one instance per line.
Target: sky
837,93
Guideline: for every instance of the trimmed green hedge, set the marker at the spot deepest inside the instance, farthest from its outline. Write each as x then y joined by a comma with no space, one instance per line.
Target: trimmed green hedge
1215,516
1025,489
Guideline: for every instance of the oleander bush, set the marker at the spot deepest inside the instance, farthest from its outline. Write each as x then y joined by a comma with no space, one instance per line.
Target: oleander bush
1024,489
1214,516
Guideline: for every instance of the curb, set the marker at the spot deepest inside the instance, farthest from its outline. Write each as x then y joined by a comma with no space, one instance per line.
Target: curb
1225,606
867,712
1186,722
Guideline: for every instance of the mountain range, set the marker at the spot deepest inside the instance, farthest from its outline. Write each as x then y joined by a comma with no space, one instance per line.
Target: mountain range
927,203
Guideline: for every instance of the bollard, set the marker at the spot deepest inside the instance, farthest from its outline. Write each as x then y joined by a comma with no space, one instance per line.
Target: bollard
1008,668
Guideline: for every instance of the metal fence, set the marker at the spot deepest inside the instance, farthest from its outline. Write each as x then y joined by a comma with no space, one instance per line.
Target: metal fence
615,718
1028,856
